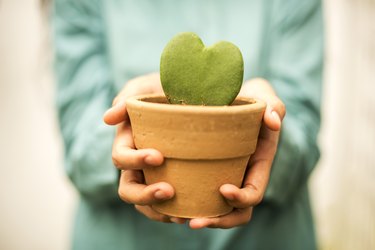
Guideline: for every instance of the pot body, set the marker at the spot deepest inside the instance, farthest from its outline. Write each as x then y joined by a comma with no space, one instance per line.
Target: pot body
204,147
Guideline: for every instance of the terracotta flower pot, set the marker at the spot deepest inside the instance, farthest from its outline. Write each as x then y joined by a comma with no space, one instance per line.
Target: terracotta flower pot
204,147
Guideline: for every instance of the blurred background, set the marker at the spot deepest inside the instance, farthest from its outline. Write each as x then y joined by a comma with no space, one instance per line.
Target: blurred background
37,200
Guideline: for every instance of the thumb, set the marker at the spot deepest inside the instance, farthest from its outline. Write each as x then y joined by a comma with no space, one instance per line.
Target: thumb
275,110
140,85
117,113
274,114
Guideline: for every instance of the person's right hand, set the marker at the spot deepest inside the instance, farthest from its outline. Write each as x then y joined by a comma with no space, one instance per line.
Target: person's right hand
131,161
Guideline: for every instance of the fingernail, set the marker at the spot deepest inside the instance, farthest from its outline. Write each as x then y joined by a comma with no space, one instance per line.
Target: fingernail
149,160
276,116
160,195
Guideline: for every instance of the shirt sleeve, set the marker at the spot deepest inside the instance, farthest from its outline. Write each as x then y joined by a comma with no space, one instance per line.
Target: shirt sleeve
84,91
294,67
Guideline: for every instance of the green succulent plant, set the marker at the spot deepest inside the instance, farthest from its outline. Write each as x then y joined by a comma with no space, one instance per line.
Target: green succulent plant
194,74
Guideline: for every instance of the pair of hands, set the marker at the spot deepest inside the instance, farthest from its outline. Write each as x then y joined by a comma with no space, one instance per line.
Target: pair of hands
131,161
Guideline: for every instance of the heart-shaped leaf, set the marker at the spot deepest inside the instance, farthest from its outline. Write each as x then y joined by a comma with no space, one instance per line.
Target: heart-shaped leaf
193,74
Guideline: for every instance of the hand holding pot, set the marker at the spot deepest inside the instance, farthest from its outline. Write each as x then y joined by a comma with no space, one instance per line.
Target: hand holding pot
131,161
259,167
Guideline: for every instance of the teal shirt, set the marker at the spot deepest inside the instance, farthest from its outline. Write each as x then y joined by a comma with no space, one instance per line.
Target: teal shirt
100,45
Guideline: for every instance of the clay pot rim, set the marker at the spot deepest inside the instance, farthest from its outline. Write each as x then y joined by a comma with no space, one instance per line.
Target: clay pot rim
159,102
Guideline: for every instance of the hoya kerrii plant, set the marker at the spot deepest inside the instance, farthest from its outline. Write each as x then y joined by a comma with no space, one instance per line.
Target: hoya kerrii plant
194,74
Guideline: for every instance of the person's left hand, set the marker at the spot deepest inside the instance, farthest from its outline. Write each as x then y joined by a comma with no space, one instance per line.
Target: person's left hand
259,167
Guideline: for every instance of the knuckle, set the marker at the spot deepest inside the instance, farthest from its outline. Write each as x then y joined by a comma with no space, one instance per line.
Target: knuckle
115,100
245,221
141,200
281,107
278,105
139,208
258,199
248,201
247,218
125,160
252,197
115,159
116,163
123,195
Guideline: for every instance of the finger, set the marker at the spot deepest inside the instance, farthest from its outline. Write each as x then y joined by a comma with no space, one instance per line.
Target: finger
274,113
133,191
152,214
275,110
237,217
116,114
256,177
265,150
257,174
141,85
125,156
241,198
268,139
